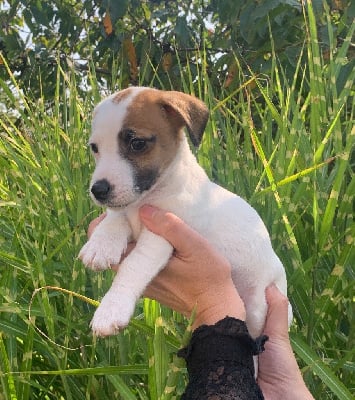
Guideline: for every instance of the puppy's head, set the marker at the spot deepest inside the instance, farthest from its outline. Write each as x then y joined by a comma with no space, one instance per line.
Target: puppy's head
135,136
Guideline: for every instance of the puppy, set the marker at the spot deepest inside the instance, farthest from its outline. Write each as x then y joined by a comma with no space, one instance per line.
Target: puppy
143,157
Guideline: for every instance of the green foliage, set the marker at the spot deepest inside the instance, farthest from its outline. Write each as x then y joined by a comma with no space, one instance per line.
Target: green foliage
149,42
284,141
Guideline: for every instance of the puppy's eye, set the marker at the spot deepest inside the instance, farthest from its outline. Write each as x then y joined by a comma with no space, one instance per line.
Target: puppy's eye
94,148
137,145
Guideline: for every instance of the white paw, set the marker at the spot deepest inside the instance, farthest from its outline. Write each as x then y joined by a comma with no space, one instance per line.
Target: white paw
102,251
113,314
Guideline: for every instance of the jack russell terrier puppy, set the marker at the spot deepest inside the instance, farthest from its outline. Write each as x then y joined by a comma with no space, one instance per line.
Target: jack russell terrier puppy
143,157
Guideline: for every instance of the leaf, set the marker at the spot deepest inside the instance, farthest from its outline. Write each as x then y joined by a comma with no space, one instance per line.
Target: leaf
9,383
118,8
107,24
161,356
182,30
130,53
122,388
320,369
228,10
232,71
167,61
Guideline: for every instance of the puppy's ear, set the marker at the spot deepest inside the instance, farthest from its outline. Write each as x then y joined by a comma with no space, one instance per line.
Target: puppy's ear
185,110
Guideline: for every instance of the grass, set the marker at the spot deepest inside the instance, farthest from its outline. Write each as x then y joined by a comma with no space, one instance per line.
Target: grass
285,146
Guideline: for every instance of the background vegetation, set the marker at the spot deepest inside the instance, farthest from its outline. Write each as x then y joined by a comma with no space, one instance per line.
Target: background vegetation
278,77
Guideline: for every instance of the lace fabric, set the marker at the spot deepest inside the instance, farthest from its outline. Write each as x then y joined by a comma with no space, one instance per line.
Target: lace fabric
219,361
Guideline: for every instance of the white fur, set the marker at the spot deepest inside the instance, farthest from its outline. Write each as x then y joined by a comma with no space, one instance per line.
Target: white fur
225,219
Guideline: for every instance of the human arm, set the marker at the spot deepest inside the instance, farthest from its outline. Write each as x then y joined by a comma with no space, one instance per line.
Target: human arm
278,370
279,374
219,357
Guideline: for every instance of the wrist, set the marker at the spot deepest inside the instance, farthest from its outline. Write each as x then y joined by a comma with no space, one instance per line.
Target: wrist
276,388
215,305
298,393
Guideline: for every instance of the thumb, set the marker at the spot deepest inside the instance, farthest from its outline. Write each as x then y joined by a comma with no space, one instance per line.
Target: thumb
277,315
170,227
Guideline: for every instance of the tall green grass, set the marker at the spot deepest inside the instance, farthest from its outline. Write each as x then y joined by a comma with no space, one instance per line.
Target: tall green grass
285,146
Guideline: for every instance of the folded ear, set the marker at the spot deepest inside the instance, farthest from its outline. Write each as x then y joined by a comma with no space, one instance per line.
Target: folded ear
185,110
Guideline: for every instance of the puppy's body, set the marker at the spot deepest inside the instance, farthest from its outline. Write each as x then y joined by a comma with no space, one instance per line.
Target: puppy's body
143,157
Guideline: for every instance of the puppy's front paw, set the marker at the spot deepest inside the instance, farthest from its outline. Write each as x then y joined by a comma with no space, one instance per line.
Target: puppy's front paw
100,252
113,314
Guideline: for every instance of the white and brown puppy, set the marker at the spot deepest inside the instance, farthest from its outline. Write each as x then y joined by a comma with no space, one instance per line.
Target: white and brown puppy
143,157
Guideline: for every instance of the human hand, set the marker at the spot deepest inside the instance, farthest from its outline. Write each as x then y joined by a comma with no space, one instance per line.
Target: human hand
196,275
279,375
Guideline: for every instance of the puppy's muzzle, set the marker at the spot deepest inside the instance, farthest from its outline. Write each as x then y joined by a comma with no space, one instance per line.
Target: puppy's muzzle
101,190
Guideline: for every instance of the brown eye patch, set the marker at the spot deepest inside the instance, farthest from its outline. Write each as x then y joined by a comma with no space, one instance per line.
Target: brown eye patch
134,144
145,179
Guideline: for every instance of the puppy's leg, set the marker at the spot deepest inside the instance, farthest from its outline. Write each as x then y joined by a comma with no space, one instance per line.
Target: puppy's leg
107,243
150,255
281,284
256,309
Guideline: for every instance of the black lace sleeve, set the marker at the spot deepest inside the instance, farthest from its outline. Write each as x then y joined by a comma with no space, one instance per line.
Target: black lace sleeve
219,361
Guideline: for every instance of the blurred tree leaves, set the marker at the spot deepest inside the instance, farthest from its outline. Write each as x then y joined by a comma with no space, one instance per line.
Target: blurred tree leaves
122,38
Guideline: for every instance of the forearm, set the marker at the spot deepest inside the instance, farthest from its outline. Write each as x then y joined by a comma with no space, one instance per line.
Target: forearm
216,304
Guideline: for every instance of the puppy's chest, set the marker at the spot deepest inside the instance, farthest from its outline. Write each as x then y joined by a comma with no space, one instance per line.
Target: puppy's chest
135,224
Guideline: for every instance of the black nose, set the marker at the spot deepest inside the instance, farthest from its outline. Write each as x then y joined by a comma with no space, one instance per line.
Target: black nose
101,189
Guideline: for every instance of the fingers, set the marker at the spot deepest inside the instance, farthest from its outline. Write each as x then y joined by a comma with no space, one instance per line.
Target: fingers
165,224
170,227
277,314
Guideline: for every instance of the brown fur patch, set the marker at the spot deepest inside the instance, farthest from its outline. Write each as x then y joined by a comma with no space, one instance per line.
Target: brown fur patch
148,120
192,112
154,119
121,95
